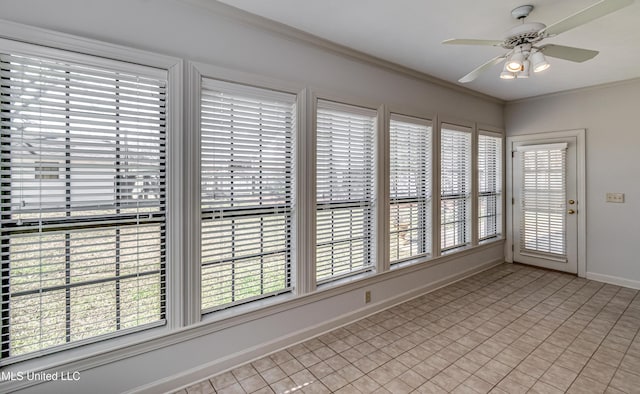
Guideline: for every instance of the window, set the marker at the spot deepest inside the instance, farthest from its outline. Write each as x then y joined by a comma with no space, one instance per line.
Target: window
410,187
345,190
455,187
543,193
246,193
489,186
83,150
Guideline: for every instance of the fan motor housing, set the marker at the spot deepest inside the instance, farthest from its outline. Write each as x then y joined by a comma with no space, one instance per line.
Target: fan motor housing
526,33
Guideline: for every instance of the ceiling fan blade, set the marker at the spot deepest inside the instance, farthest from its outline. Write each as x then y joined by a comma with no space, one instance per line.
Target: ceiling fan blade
577,55
475,73
470,41
590,13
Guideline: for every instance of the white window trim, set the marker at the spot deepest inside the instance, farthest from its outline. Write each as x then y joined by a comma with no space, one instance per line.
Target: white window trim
230,96
192,294
11,48
426,120
382,211
41,42
492,131
437,189
379,153
304,240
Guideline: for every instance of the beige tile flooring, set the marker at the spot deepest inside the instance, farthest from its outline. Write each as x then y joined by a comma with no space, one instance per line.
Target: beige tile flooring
511,329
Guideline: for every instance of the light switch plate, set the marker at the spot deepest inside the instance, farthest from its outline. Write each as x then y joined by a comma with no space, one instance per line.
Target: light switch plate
615,197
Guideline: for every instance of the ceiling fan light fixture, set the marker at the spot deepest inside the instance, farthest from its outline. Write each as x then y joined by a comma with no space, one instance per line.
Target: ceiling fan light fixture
522,41
506,74
514,63
539,62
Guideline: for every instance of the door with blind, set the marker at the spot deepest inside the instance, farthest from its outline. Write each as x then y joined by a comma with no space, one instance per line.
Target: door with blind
545,203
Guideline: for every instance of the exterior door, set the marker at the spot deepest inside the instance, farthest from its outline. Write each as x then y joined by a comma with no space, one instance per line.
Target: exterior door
545,205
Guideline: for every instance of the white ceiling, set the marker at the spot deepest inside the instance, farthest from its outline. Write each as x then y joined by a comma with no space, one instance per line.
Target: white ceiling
410,32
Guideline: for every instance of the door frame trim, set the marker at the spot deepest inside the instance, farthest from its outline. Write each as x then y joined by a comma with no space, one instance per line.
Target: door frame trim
581,190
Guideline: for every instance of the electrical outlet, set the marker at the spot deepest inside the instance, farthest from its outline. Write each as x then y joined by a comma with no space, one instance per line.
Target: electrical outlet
615,197
367,297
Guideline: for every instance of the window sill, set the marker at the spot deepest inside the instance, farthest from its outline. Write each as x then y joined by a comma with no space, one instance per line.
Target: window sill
487,241
346,280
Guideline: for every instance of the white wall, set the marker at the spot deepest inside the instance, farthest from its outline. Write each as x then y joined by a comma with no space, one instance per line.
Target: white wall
173,28
609,114
180,30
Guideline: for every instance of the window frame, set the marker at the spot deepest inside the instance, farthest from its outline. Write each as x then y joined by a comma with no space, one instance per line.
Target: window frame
193,215
372,240
212,215
426,121
98,54
68,227
496,133
470,203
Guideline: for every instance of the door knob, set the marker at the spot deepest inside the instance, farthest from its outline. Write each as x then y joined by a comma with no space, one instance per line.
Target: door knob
571,202
571,212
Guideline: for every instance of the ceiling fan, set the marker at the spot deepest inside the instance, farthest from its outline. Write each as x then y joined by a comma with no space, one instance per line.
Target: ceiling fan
522,41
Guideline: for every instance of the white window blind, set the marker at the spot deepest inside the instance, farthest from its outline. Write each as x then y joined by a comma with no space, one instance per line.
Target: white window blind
83,200
246,193
455,187
489,186
543,194
410,187
345,189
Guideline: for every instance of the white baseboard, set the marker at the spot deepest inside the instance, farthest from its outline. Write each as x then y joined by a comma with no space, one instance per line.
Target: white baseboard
614,280
177,382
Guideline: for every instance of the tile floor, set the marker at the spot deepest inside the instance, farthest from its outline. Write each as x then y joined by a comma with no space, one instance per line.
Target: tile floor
511,329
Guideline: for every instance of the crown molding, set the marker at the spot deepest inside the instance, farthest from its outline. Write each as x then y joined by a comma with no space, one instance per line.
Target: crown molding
289,32
573,91
54,39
